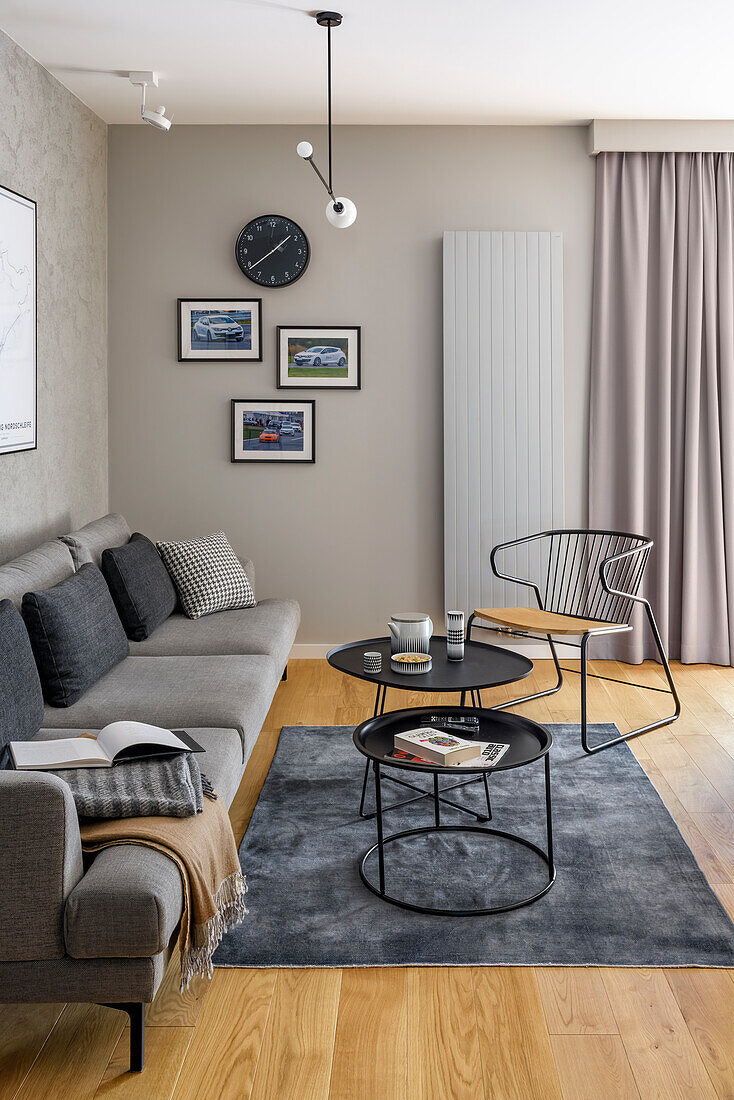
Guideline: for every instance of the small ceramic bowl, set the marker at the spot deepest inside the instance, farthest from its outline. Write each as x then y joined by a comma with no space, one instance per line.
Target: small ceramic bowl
411,664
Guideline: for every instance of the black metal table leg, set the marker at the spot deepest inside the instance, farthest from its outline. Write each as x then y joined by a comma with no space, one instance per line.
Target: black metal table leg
436,803
380,845
549,820
485,777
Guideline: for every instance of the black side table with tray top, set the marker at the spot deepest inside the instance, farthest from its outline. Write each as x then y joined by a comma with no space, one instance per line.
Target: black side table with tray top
483,666
527,741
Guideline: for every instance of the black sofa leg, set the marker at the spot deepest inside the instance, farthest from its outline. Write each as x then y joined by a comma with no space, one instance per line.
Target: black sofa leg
136,1012
285,673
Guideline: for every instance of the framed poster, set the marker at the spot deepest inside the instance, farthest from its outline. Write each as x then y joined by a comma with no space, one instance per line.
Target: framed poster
219,329
319,357
273,431
18,286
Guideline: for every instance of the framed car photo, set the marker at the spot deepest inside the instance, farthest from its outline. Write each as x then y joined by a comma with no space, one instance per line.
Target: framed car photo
273,431
319,357
219,330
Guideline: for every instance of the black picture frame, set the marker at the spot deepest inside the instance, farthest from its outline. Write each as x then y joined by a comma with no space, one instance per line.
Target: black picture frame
214,305
274,455
318,383
30,446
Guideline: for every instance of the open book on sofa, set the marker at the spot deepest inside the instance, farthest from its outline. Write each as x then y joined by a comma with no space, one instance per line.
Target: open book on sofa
117,742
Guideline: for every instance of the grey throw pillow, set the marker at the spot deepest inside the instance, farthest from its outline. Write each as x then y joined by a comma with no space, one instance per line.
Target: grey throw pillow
76,634
21,706
140,585
208,575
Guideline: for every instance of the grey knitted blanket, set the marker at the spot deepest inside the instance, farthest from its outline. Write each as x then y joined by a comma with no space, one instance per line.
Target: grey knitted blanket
168,786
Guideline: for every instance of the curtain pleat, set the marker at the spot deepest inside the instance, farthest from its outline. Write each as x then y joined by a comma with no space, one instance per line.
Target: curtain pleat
661,451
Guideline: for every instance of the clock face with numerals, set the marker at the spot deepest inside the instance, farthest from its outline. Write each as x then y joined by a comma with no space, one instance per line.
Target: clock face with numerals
272,251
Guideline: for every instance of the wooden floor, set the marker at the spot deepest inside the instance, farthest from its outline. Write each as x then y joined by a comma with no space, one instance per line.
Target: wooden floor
440,1033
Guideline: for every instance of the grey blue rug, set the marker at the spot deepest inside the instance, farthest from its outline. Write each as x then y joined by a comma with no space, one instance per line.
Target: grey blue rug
628,890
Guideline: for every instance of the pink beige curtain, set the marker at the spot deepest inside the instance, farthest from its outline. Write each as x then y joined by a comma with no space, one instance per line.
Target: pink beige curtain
661,440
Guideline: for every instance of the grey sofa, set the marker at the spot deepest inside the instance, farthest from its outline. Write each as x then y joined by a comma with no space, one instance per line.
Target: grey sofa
72,929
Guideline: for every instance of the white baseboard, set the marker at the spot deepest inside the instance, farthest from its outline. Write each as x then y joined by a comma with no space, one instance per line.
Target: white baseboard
535,650
309,651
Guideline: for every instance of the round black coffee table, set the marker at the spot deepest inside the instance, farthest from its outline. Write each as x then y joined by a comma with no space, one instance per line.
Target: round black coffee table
484,666
528,742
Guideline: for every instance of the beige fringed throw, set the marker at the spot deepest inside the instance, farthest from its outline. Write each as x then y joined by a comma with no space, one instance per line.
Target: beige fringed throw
204,850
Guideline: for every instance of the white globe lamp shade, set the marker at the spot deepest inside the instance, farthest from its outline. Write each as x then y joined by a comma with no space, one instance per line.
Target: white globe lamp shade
304,149
341,219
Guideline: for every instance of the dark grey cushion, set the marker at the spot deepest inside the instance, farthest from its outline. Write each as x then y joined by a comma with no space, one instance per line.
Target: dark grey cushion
76,634
140,585
21,709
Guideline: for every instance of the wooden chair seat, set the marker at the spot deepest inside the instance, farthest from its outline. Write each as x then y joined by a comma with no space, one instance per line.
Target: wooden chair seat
546,622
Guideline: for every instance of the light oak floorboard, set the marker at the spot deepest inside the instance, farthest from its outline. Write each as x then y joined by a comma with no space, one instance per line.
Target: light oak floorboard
706,999
718,830
23,1031
223,1055
517,1060
660,1049
296,1056
165,1050
443,1048
75,1055
715,763
575,1001
594,1066
370,1050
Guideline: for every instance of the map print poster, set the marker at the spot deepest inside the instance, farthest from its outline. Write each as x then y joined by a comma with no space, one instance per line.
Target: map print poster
17,322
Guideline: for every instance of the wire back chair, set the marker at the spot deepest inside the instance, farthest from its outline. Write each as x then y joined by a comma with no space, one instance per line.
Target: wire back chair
588,584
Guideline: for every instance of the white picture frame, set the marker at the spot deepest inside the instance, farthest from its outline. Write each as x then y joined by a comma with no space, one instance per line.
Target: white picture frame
18,323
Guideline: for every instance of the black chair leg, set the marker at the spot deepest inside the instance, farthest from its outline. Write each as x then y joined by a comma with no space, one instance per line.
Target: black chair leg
136,1012
285,673
538,694
591,749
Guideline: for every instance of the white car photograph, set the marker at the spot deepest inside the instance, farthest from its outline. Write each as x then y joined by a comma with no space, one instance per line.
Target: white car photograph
211,329
321,356
217,326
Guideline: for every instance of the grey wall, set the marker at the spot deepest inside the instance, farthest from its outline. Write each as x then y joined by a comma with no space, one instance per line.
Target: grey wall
359,534
54,150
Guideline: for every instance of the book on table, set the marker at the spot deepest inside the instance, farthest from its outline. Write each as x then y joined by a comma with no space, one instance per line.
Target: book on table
431,746
116,743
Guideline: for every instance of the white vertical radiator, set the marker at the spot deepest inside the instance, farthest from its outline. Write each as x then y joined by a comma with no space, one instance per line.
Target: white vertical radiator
503,407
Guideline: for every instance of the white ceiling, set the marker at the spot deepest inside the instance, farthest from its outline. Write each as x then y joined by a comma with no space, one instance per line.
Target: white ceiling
395,61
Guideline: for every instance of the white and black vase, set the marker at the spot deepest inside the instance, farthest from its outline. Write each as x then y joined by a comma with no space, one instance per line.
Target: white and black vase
455,635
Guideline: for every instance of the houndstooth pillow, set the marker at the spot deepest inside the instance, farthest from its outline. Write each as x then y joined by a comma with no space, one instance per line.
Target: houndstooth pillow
207,574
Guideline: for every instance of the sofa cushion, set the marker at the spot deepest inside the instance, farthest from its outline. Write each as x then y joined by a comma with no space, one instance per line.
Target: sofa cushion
178,692
87,544
208,575
40,568
20,686
140,585
76,634
269,628
129,901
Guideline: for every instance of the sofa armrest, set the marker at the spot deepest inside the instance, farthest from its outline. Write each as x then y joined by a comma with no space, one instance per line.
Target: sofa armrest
249,568
40,864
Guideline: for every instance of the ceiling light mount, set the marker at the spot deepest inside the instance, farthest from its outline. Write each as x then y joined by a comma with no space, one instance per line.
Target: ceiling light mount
156,116
329,18
340,211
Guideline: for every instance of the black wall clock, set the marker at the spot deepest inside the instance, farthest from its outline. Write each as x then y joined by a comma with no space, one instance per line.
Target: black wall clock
272,250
